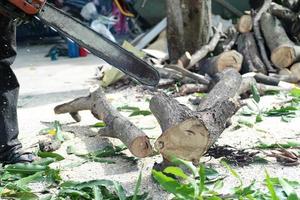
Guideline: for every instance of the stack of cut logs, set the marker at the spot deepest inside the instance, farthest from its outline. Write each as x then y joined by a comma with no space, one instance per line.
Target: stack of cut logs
266,41
263,45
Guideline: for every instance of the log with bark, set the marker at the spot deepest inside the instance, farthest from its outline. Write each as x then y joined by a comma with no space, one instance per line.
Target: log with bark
117,126
251,62
227,59
189,26
283,51
258,35
188,134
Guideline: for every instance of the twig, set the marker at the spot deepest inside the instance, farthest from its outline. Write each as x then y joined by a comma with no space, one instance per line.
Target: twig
200,54
199,78
258,35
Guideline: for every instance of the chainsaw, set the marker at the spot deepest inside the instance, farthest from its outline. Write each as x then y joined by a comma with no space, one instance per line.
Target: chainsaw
83,36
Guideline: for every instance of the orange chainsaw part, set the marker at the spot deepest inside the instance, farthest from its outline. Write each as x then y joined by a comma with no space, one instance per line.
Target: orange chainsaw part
30,7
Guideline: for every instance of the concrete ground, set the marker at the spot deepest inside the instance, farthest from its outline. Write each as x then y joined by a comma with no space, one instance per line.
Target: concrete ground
45,84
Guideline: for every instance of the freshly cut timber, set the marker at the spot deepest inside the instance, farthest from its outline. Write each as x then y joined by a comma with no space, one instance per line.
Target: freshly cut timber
188,134
227,59
244,24
117,126
283,51
295,70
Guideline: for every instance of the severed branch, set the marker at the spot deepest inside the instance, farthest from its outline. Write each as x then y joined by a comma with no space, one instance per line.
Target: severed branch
200,54
258,35
117,125
188,134
197,77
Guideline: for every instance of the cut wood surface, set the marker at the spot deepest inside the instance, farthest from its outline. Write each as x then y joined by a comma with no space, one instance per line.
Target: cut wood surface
247,47
192,88
244,24
117,125
227,59
188,134
295,70
283,51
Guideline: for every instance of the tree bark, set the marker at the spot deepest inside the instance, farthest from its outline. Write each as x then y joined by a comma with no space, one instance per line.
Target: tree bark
188,134
228,59
247,47
283,51
189,26
117,125
258,35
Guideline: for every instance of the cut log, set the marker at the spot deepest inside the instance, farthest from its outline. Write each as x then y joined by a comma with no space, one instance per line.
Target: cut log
228,59
295,70
189,26
258,35
290,19
244,24
188,134
192,88
251,62
283,51
117,125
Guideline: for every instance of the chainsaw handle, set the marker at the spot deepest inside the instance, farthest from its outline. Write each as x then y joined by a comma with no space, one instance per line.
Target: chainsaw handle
30,7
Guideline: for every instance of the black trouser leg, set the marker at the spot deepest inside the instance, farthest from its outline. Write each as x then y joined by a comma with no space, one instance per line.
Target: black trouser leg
9,90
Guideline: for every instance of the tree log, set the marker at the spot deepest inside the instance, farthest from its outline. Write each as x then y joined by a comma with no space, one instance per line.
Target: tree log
283,51
192,88
189,26
188,134
247,46
258,35
228,59
244,24
290,19
295,70
200,54
117,125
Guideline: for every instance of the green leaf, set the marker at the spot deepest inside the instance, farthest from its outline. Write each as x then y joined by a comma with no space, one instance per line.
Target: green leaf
295,92
189,165
233,172
286,118
56,156
44,161
293,196
176,171
169,184
287,188
97,193
258,118
270,187
271,92
282,111
25,168
255,93
246,123
127,108
287,145
137,186
59,136
99,125
120,190
202,178
74,193
140,112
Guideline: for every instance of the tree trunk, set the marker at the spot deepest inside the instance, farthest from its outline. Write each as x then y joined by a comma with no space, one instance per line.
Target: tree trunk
188,134
227,59
247,47
283,51
117,125
189,26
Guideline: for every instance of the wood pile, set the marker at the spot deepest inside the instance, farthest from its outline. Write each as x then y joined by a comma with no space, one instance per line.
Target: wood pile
263,48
